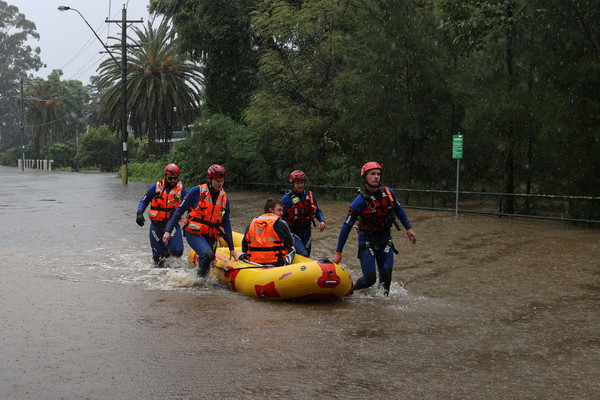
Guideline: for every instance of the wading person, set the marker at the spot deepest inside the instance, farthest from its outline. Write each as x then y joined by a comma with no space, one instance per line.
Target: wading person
376,209
268,240
163,197
208,218
300,208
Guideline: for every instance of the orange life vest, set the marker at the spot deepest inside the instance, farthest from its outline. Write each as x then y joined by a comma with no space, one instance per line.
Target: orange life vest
264,244
379,215
163,204
301,213
206,218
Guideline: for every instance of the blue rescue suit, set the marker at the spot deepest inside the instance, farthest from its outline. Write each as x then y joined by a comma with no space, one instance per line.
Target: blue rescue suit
375,247
203,245
301,232
157,229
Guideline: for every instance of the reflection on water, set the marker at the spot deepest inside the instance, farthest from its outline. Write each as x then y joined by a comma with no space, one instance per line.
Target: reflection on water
481,307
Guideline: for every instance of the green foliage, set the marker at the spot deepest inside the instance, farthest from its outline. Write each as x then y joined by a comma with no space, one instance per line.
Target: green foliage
10,157
148,172
295,110
394,99
162,87
220,140
99,148
137,150
342,83
17,58
63,154
218,35
55,110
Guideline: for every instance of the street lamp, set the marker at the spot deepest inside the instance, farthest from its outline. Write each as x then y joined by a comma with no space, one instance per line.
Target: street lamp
123,67
65,8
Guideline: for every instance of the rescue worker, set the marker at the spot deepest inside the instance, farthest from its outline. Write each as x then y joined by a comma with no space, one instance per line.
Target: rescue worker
376,209
208,218
163,197
300,208
267,239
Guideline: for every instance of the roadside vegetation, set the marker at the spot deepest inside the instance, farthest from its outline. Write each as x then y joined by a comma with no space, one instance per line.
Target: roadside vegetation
268,86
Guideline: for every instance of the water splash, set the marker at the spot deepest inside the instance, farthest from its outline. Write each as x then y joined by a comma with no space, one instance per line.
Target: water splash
182,278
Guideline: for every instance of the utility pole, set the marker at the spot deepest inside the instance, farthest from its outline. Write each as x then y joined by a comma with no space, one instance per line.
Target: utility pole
124,133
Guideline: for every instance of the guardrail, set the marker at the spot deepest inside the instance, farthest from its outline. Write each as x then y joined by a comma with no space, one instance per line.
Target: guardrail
580,209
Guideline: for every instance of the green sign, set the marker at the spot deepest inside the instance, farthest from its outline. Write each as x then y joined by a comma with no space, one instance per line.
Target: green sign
457,146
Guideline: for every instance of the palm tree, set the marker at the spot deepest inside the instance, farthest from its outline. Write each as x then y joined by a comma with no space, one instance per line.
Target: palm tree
163,88
45,114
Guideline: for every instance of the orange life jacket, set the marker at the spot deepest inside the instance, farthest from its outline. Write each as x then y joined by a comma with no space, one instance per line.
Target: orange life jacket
379,215
163,204
264,244
206,218
301,213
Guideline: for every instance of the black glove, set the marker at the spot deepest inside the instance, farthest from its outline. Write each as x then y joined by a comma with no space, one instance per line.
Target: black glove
140,218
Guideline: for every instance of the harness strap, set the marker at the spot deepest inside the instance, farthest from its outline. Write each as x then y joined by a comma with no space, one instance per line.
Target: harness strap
272,248
164,209
205,222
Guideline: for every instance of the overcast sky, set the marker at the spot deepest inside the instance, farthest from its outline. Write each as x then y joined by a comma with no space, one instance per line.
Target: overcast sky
66,42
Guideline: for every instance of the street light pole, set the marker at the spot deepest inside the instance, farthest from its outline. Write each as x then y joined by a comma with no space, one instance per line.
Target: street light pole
65,8
123,67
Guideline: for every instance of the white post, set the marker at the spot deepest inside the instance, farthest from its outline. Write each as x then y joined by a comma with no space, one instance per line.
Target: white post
457,184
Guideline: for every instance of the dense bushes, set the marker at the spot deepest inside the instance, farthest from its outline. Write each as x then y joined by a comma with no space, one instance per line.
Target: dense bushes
10,157
220,140
63,155
99,148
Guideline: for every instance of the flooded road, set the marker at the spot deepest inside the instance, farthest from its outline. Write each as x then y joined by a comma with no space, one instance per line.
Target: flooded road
480,308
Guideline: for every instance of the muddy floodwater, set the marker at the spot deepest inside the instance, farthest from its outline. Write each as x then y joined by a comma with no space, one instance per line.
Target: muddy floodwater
480,308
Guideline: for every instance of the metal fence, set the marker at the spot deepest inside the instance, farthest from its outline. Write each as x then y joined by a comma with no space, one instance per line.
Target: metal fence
580,209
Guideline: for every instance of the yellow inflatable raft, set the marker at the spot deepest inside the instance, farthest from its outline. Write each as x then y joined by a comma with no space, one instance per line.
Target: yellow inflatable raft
305,278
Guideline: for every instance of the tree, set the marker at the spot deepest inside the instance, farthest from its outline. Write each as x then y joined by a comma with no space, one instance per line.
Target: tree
393,94
99,149
534,89
294,110
16,59
345,82
162,87
62,154
218,35
220,140
55,111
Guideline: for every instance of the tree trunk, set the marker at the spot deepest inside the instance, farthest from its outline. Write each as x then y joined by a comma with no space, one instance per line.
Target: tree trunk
37,146
508,203
152,139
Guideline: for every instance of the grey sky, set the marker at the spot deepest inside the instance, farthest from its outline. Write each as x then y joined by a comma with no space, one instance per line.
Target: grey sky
66,41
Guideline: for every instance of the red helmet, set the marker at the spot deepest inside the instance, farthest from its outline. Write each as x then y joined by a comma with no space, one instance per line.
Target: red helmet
369,166
172,170
298,175
216,171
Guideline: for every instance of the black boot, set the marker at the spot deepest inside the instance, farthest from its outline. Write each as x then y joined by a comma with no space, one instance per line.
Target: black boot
385,281
203,269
